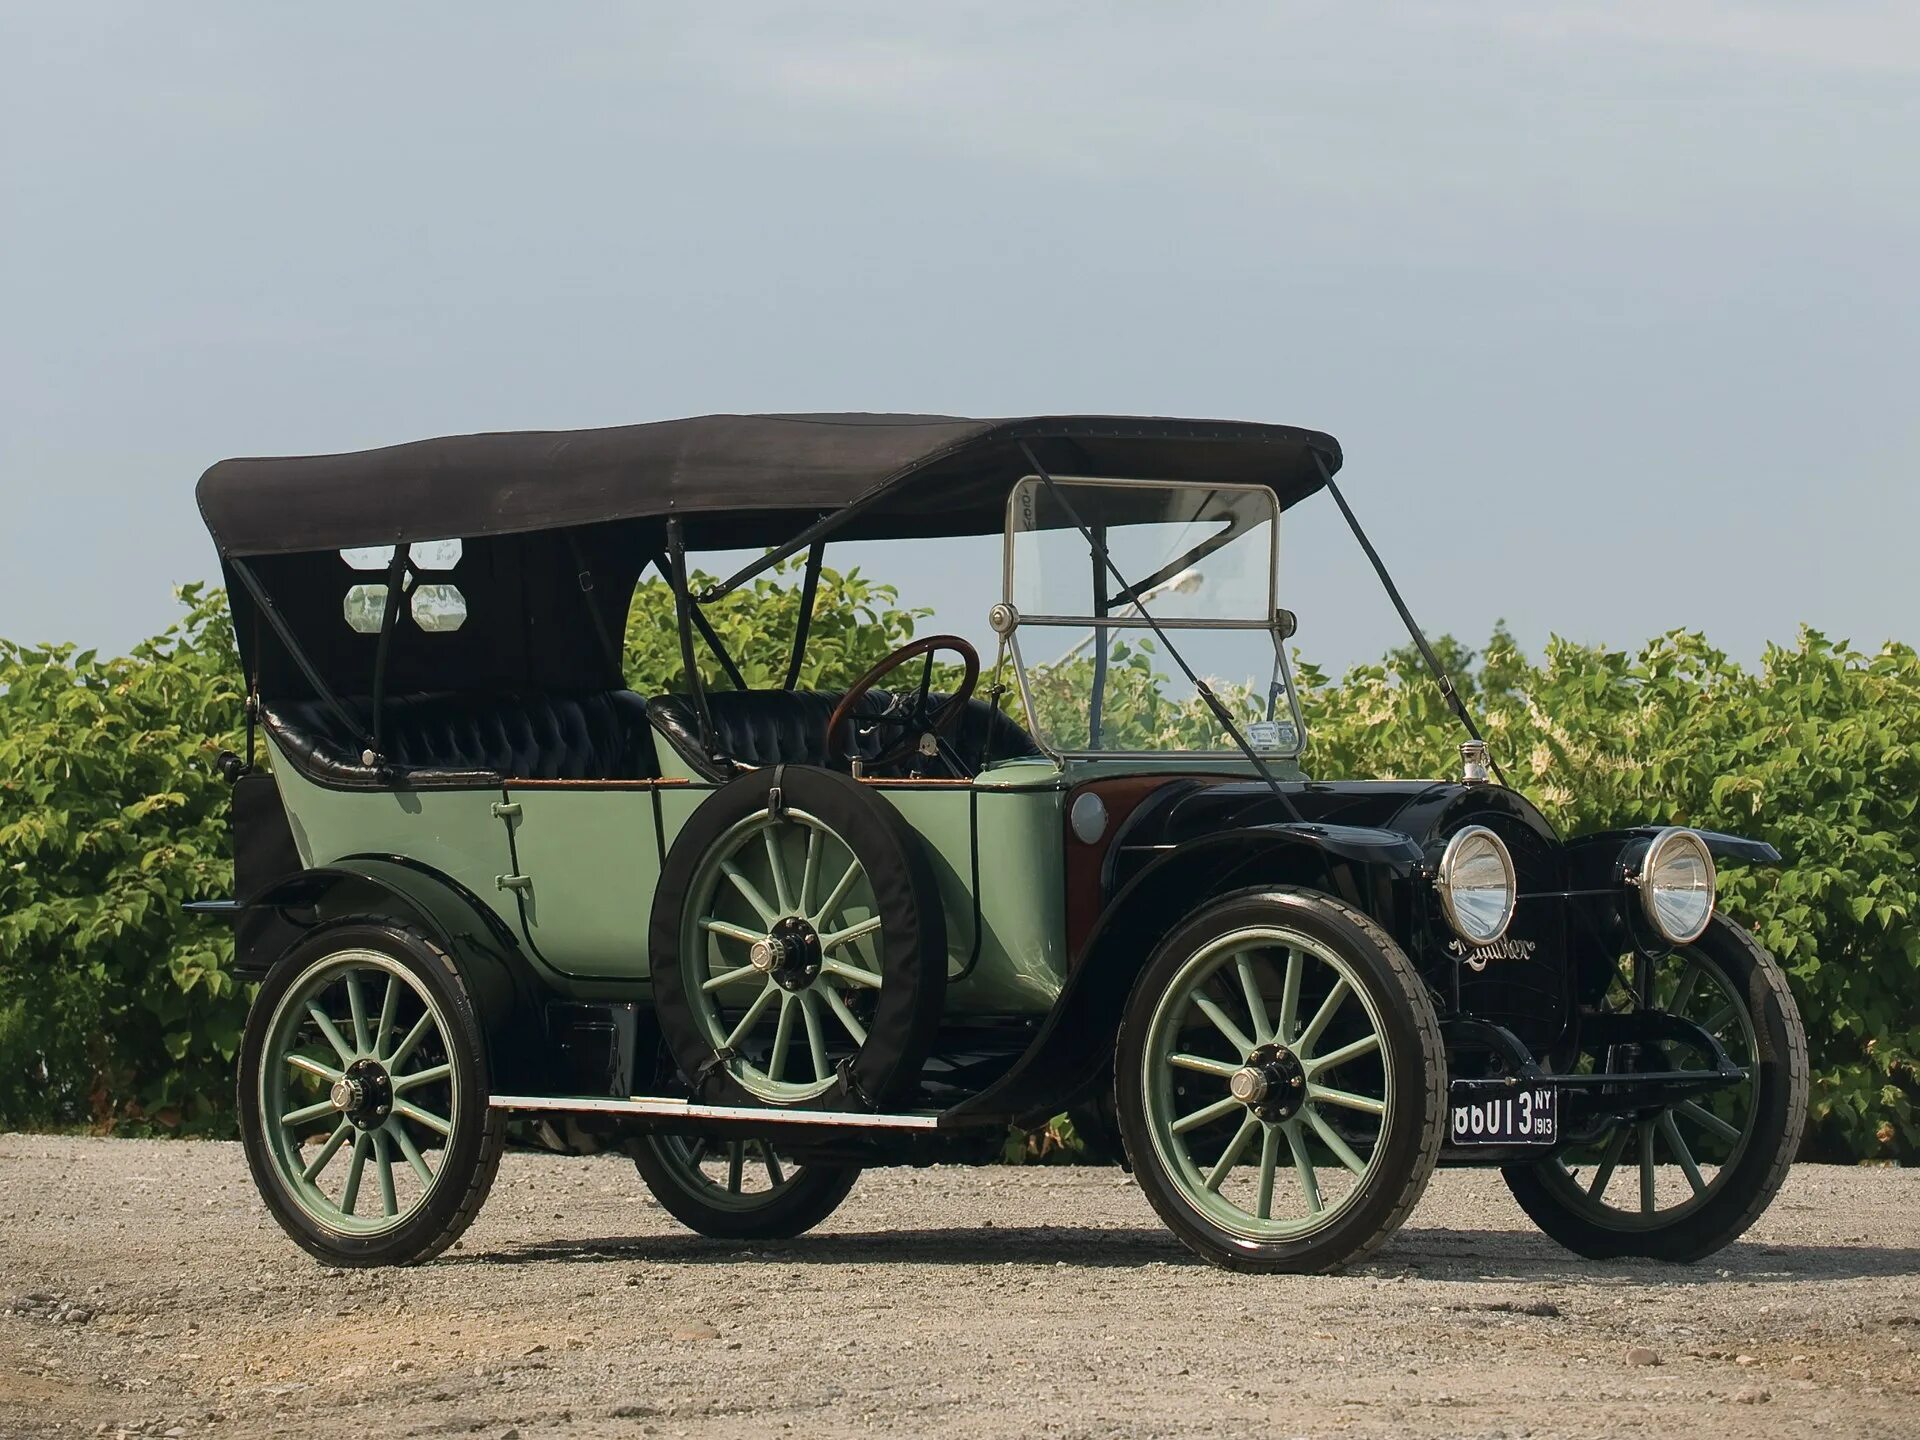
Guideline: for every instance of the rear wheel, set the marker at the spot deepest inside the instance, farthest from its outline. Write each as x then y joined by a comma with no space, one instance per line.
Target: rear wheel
1280,1082
1680,1182
363,1096
739,1189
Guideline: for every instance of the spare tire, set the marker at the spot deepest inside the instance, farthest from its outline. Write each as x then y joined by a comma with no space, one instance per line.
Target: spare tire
798,946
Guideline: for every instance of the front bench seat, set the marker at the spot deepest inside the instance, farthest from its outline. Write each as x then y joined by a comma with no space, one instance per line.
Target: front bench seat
756,728
455,739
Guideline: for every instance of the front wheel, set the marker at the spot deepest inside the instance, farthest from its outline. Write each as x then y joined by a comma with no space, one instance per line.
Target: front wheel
1680,1182
1280,1082
363,1096
739,1189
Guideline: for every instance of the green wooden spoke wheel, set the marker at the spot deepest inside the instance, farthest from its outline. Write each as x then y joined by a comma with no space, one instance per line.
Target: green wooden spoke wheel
739,1188
1279,1083
798,945
1680,1182
363,1107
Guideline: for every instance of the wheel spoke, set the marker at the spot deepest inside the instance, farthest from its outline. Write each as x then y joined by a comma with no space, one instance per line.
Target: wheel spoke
407,1110
752,1016
412,1151
746,887
1683,988
403,1083
1609,1161
837,938
1289,998
852,974
1366,1045
314,1067
1205,1115
730,930
1303,1166
309,1113
357,1007
350,1196
327,1151
383,1171
1231,1155
838,894
728,977
1649,1201
1720,1019
810,871
816,1040
844,1015
331,1031
1256,1006
1709,1121
1671,1133
389,1012
1222,1068
736,1162
782,1038
1346,1099
1269,1162
404,1051
775,1175
1323,1017
1226,1027
1330,1137
776,862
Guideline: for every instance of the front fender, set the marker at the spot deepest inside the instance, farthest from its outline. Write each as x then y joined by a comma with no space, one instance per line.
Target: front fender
1074,1046
1591,859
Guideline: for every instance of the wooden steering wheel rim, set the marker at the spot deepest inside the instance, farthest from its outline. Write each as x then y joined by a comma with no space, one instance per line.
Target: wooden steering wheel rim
937,723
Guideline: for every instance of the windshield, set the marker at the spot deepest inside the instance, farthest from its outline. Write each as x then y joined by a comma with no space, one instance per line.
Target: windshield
1201,560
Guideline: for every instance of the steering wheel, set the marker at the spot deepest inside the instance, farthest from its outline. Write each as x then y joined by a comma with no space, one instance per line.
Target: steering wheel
922,726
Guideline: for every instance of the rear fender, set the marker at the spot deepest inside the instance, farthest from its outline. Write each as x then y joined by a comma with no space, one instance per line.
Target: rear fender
504,986
1073,1051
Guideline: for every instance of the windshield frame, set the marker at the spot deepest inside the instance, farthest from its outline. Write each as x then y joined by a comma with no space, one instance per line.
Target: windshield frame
1020,517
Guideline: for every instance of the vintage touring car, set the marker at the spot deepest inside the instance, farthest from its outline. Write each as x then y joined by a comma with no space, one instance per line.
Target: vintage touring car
759,938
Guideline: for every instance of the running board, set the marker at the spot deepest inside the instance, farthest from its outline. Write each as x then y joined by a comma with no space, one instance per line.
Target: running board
660,1108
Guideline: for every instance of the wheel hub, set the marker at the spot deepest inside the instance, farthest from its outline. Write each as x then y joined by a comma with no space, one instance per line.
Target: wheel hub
364,1094
790,955
1272,1084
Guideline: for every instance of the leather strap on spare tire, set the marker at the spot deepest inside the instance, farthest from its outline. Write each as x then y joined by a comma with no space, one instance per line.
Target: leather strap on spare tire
909,946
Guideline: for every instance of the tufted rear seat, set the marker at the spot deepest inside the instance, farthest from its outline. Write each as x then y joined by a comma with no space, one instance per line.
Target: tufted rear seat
590,735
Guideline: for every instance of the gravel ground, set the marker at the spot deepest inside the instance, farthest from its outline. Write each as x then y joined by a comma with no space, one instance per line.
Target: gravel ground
144,1290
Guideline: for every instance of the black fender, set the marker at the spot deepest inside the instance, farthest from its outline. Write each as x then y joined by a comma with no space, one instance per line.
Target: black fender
1604,845
1073,1049
505,987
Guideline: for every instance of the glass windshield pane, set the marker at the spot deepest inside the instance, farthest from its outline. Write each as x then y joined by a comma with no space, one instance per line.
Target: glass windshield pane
1138,700
1188,552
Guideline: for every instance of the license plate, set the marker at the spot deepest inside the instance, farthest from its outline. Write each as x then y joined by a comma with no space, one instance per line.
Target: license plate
1505,1117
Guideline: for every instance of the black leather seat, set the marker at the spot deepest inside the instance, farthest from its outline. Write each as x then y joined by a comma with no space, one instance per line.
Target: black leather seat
779,727
591,735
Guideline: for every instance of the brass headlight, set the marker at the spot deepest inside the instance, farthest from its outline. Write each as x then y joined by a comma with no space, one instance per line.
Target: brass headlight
1676,885
1476,885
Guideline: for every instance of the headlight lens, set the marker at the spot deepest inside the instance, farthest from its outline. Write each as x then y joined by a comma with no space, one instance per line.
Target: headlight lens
1676,885
1476,885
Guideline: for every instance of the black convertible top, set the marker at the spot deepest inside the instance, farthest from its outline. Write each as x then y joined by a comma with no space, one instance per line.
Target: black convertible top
735,480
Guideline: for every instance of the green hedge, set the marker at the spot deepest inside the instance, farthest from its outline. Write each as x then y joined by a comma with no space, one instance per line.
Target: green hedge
119,1013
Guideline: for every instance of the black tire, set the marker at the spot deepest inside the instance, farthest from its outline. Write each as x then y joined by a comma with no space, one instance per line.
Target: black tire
1749,1175
469,1155
881,1070
1411,1079
809,1194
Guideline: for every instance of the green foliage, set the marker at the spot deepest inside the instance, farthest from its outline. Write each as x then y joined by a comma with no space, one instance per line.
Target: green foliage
117,1011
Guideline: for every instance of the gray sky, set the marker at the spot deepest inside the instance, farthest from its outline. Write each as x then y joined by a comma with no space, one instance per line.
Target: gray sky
1612,305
